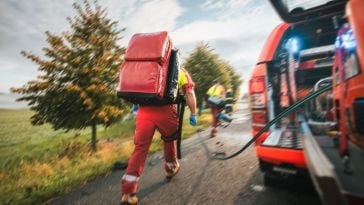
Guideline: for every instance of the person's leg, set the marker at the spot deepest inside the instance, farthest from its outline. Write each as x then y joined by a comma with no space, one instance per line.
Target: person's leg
222,117
214,112
142,139
167,125
170,152
215,121
171,165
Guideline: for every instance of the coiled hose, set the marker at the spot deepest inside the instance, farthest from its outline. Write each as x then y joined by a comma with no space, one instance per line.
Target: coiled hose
272,122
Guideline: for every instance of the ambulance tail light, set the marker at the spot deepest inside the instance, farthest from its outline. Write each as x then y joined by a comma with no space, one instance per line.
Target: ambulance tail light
257,93
258,102
257,85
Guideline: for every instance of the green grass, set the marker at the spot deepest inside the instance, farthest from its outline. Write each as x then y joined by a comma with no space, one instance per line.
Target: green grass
38,163
19,140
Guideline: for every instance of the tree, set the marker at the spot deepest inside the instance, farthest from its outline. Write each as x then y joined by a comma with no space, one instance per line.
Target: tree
79,74
206,66
236,82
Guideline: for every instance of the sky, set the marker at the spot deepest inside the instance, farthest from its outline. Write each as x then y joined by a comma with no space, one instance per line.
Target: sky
235,29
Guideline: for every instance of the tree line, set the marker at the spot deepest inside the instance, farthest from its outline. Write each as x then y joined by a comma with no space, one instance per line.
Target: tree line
79,74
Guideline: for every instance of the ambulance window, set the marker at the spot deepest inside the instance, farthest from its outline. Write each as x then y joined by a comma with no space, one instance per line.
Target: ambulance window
304,4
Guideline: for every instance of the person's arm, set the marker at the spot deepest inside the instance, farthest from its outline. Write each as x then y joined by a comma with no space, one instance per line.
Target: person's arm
191,100
187,85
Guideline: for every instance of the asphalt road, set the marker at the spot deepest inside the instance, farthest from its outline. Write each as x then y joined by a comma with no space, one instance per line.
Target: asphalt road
202,180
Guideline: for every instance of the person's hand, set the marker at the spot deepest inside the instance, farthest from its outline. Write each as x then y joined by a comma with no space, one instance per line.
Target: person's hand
193,120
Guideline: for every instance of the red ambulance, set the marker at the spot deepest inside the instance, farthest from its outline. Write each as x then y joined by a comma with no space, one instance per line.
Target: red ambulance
320,43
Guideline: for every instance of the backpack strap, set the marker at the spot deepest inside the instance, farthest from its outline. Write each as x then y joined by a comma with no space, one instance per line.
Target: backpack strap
180,113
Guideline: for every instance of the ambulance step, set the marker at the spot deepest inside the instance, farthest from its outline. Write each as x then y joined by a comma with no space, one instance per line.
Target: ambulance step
273,138
287,138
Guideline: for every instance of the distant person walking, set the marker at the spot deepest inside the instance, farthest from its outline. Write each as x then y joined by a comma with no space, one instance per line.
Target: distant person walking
215,96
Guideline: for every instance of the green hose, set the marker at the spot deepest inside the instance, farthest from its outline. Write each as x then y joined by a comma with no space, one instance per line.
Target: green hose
272,122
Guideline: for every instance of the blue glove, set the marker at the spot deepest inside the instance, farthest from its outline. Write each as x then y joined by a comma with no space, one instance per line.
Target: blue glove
193,120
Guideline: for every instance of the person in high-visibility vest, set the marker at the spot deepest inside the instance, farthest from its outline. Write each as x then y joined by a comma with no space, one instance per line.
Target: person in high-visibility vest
165,119
216,90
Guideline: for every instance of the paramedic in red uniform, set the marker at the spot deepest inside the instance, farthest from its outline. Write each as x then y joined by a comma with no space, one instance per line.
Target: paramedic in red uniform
148,119
217,90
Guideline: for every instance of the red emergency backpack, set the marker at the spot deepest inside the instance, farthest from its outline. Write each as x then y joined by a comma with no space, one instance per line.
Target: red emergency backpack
149,74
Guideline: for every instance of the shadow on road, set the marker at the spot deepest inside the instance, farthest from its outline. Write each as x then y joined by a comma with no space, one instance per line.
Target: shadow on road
201,176
152,188
279,191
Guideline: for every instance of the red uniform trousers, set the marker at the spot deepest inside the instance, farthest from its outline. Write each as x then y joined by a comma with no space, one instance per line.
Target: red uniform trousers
215,120
148,119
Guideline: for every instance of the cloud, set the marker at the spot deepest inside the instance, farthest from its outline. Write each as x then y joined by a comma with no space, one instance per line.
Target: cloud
237,39
152,16
229,8
259,21
212,5
118,9
22,27
237,32
15,74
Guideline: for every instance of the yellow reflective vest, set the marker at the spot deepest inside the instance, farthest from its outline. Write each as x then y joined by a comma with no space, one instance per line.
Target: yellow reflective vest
217,91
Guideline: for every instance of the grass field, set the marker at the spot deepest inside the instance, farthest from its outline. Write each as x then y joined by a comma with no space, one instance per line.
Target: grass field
38,163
